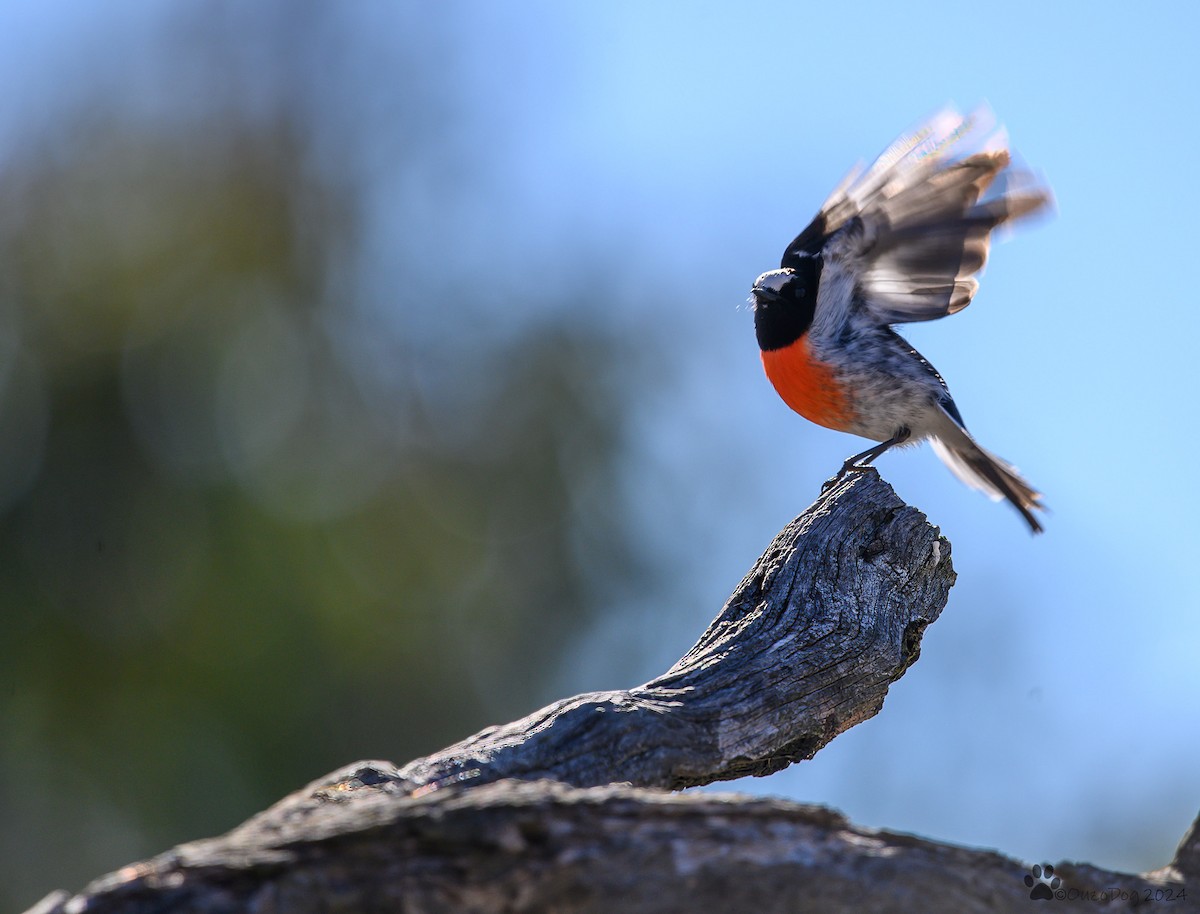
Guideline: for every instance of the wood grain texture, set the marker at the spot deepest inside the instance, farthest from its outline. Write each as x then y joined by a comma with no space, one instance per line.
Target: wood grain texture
829,616
539,846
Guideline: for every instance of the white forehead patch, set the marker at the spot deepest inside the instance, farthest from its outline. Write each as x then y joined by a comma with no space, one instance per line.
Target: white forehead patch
774,280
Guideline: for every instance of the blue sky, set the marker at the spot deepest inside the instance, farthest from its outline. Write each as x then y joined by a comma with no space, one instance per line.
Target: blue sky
1052,714
1053,711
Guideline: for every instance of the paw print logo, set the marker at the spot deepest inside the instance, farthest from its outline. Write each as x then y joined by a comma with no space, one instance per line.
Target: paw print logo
1043,882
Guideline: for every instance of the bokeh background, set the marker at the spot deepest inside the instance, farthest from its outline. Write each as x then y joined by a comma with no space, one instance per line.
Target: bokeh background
374,372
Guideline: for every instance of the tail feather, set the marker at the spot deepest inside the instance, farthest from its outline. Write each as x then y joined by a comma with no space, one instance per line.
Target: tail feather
987,473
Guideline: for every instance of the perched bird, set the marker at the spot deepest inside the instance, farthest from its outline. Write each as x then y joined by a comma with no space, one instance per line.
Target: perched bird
900,242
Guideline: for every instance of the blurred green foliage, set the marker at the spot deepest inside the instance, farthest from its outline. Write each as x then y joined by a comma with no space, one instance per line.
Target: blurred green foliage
257,522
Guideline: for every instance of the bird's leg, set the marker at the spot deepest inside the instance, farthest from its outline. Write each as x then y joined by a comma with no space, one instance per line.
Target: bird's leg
863,460
868,456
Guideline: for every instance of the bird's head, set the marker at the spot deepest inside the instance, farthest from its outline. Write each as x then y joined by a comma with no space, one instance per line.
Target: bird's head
776,286
784,302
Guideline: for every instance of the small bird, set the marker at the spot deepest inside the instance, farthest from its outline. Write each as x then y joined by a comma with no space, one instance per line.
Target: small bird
897,243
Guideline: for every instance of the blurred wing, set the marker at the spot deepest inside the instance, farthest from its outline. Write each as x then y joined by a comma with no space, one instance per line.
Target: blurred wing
914,228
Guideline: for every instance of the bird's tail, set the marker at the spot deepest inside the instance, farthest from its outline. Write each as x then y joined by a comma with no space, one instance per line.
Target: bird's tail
989,474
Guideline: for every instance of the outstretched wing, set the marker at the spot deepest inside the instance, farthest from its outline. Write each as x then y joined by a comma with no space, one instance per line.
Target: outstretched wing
913,229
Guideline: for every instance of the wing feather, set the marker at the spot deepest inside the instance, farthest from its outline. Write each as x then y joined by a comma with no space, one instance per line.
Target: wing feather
915,227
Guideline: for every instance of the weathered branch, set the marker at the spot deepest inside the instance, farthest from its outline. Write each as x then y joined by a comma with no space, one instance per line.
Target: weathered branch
829,617
805,648
517,846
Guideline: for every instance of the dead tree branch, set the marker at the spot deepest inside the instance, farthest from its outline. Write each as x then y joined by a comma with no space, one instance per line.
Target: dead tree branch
516,818
827,619
517,846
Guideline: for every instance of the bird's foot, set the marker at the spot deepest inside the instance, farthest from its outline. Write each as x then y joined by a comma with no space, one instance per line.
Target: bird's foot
850,466
863,461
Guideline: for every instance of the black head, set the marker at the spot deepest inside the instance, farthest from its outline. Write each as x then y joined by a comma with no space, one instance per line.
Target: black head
784,302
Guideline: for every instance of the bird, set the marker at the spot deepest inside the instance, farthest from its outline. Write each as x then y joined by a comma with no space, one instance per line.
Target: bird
899,242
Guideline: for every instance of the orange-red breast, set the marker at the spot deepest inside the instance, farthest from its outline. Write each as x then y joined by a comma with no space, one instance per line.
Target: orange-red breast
897,243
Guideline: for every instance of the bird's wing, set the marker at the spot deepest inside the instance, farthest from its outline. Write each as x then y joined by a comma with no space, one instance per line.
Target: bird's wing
913,229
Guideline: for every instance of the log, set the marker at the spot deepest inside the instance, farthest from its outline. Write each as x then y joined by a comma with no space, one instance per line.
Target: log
567,809
536,846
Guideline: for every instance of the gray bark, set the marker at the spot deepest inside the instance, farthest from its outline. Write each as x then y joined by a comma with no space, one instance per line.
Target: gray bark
520,846
516,818
829,617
